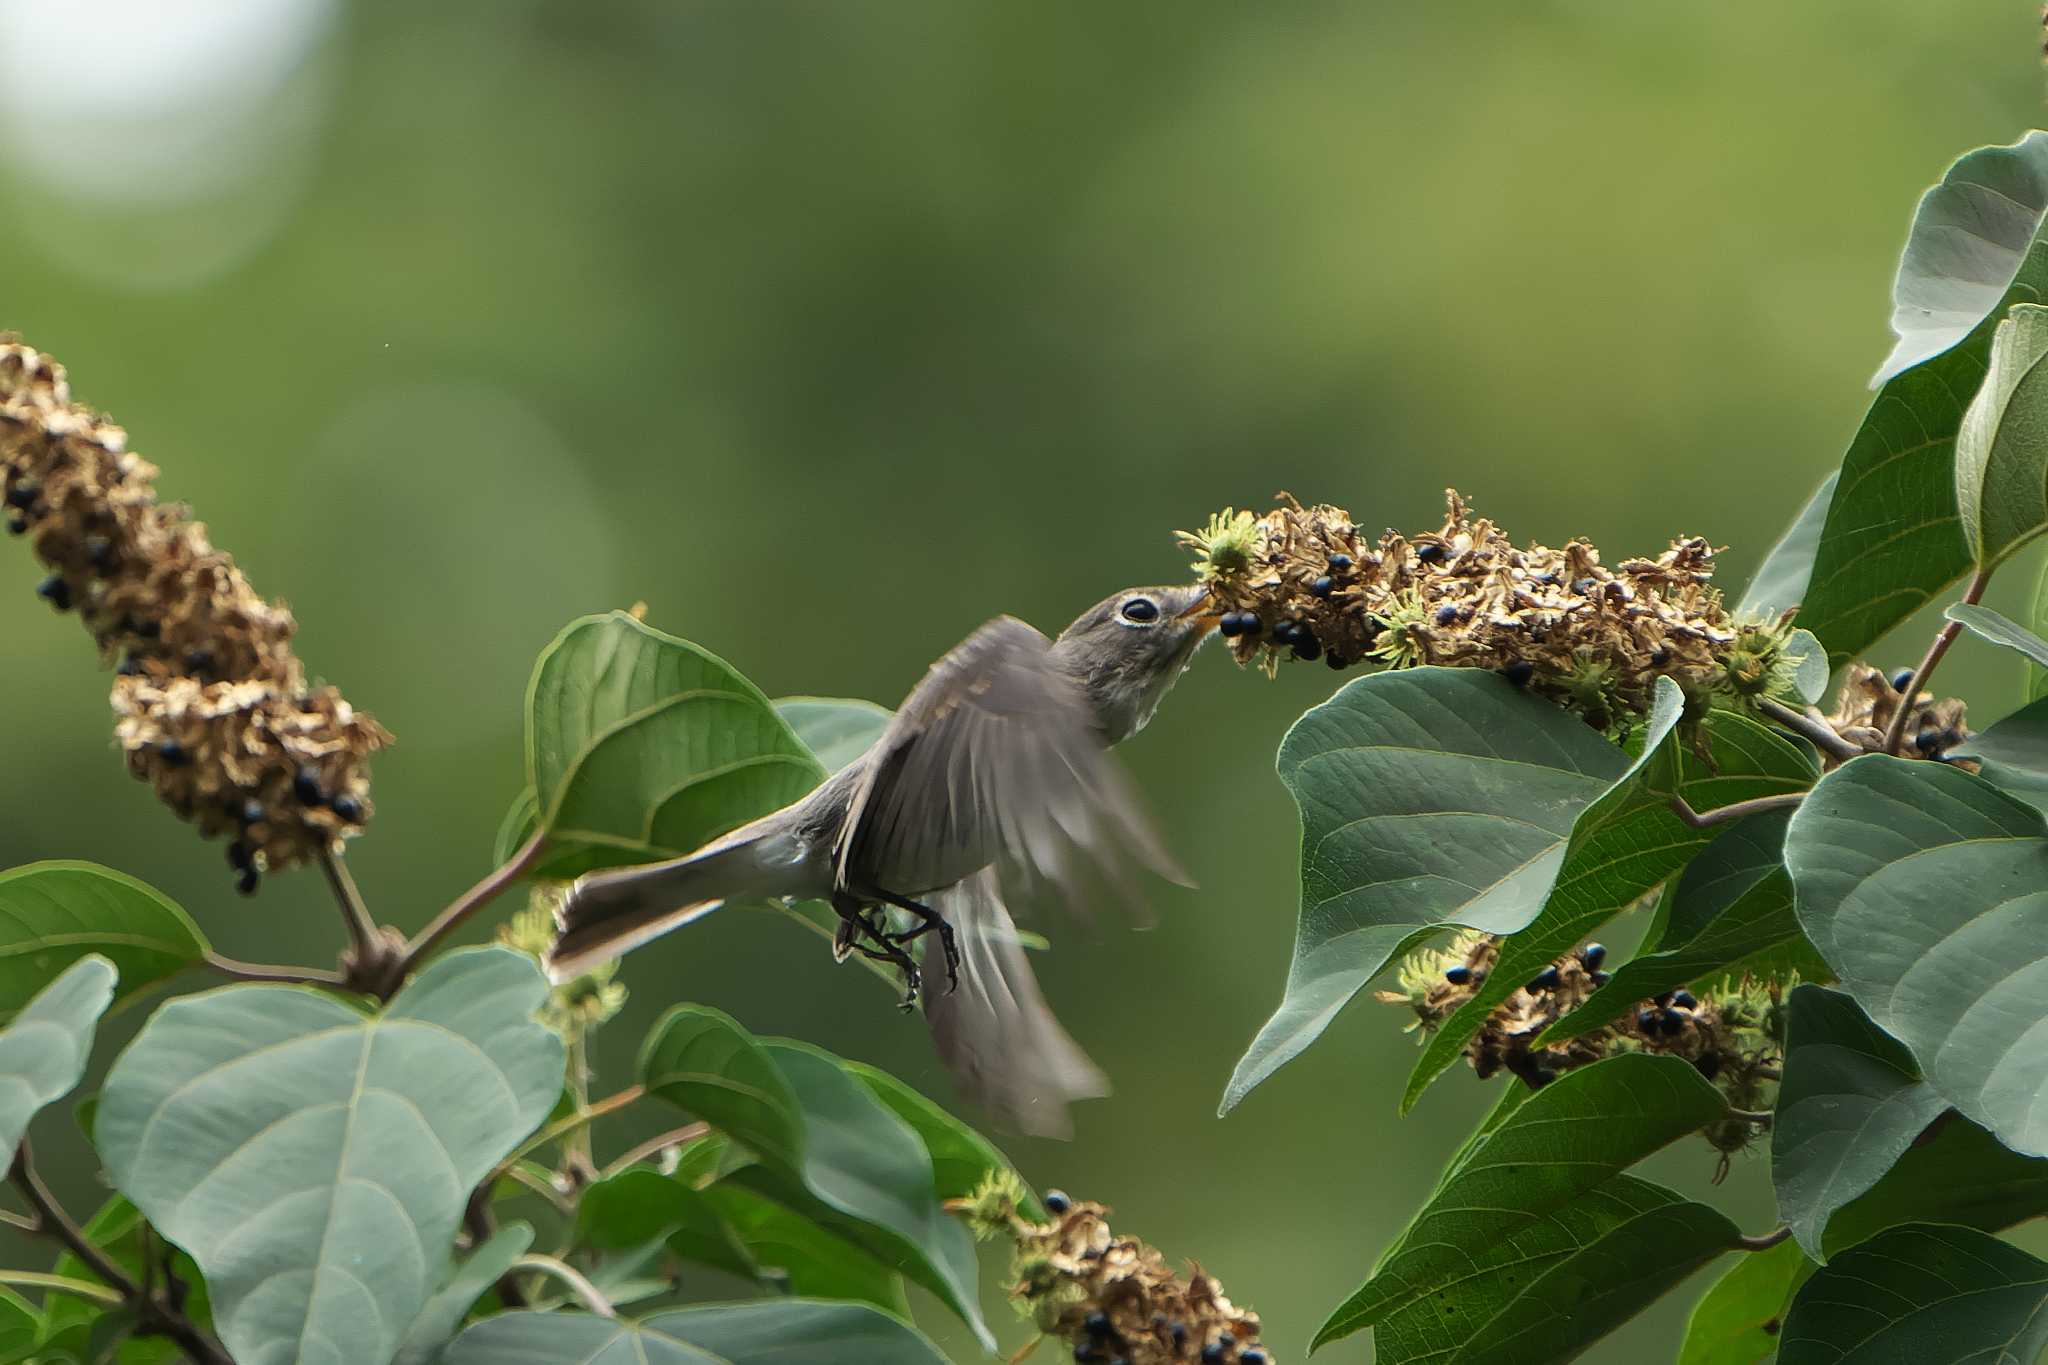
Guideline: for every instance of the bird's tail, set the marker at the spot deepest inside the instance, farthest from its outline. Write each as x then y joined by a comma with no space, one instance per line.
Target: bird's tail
604,914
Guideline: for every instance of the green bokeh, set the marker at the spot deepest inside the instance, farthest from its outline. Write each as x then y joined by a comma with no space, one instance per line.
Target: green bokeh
831,330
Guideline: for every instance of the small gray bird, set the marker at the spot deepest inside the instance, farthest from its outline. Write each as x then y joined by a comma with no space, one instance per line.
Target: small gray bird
992,786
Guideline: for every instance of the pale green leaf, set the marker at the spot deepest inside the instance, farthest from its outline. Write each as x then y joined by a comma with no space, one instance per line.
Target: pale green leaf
52,914
1780,581
836,729
1739,1319
778,1332
427,1338
2002,446
43,1052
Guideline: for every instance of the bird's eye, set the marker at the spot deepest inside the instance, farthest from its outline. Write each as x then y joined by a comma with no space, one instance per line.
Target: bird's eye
1140,609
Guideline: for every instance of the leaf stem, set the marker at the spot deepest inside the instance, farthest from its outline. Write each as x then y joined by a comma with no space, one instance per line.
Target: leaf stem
362,930
1895,733
568,1123
1819,732
470,901
156,1317
654,1146
593,1297
63,1284
1765,1242
481,1226
1721,815
263,971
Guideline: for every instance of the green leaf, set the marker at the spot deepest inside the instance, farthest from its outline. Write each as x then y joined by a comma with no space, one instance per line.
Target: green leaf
1998,628
640,741
1893,539
784,1332
1428,797
521,822
52,914
2002,446
642,1205
19,1326
1851,1104
830,1150
1971,240
1738,1321
960,1156
810,1261
1954,1173
1731,906
1924,1293
836,729
44,1051
1626,843
2037,616
1780,581
315,1161
2013,754
1926,889
1809,665
428,1336
1545,1155
117,1229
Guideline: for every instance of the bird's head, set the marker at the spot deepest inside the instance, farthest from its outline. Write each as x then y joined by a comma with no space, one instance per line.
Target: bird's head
1128,649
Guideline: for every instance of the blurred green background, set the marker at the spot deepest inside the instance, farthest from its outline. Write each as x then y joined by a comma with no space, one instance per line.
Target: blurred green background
832,329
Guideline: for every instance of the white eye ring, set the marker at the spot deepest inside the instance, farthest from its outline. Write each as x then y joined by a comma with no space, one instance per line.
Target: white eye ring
1142,611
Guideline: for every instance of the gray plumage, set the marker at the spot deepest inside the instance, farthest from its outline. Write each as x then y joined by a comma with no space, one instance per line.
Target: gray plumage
991,787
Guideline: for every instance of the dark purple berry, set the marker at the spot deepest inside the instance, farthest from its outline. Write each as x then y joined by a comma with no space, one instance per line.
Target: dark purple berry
23,494
1708,1064
1660,656
306,787
1458,976
55,591
1056,1202
1902,680
1600,978
130,666
1179,1333
1340,564
199,662
1671,1023
1097,1324
100,551
1519,672
1306,646
1250,625
1646,1020
1322,587
1546,980
1593,954
251,812
17,524
1085,1352
347,809
1684,1000
1337,663
1253,1356
1929,742
1230,626
173,753
246,881
1429,552
1213,1353
1584,586
240,856
1447,615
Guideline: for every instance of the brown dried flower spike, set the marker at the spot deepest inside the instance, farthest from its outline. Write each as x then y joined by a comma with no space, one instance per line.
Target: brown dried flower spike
212,705
1302,582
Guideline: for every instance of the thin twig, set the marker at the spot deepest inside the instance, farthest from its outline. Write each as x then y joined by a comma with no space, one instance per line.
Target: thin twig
654,1146
481,1225
593,1297
1765,1242
1819,732
16,1220
1895,733
472,900
1760,1117
539,1186
63,1284
362,930
263,971
567,1124
1721,815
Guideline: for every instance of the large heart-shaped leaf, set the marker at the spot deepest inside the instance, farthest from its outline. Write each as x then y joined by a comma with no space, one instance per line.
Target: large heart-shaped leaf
782,1332
315,1161
1428,796
1893,540
1781,580
1851,1104
830,1150
1972,236
644,742
835,729
1624,844
1926,889
428,1336
44,1051
1542,1158
1924,1293
54,913
1739,1319
2002,446
1730,910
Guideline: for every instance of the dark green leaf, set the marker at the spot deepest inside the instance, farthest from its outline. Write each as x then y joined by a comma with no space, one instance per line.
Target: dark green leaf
315,1161
117,1229
2002,446
1851,1104
836,729
44,1051
2013,754
808,1260
1428,797
1926,889
639,1206
1924,1293
1780,582
960,1156
782,1331
19,1326
428,1336
1739,1320
52,914
1547,1153
521,822
2037,618
830,1150
1625,844
1955,1173
1998,628
1731,905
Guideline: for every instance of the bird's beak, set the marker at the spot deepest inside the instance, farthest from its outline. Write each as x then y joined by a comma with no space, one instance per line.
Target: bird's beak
1202,612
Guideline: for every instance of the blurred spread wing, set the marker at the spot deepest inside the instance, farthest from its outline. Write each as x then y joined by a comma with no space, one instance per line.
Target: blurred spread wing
995,758
995,1032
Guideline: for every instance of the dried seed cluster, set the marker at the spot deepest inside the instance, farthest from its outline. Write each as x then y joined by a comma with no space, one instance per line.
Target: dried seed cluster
1734,1038
578,1005
212,706
1301,582
1112,1299
1868,701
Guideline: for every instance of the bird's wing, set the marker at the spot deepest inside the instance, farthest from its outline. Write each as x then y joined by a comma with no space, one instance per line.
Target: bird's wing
995,758
995,1032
